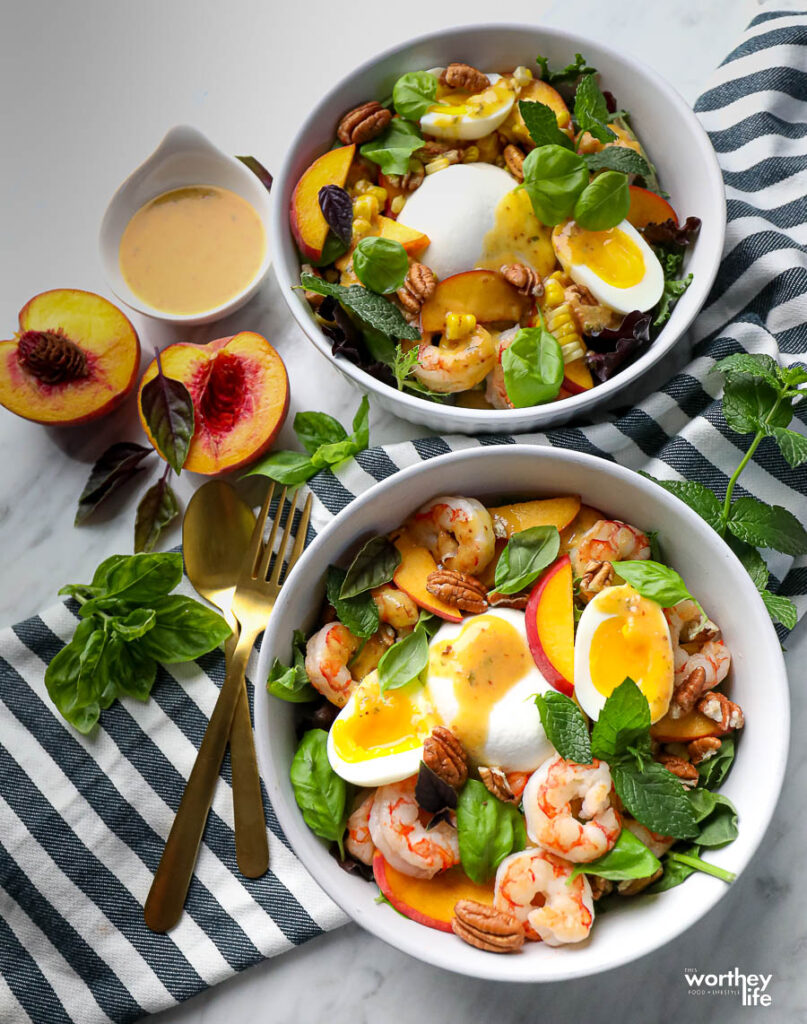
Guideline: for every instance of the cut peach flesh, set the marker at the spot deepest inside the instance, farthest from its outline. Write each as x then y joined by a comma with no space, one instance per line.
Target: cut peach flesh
101,331
543,512
583,521
411,575
228,435
648,208
413,241
577,376
693,726
482,292
309,227
554,619
429,901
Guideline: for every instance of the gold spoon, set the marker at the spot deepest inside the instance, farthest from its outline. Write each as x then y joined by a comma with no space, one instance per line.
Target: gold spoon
216,532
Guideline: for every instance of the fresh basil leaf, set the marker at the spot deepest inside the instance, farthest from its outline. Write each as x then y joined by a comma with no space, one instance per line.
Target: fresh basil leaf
655,798
488,831
792,445
90,684
554,177
62,676
428,622
716,816
604,203
361,424
619,158
135,624
337,209
333,248
313,429
404,661
714,770
752,560
565,726
570,73
525,556
780,608
393,149
373,566
746,364
749,401
533,367
624,723
184,629
291,683
130,670
287,468
674,871
372,309
673,290
381,264
628,858
413,94
542,124
691,860
333,454
653,580
158,508
117,465
767,526
139,579
591,110
699,498
359,614
320,793
81,591
167,407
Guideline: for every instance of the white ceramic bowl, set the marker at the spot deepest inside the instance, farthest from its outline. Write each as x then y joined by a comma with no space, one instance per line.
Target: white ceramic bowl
714,575
185,157
665,124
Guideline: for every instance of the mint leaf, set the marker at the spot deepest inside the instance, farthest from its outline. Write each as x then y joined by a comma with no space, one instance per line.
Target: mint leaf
591,110
767,526
699,498
792,445
565,726
624,722
653,580
572,71
628,858
619,158
752,560
792,376
542,124
781,609
393,149
373,309
748,401
656,799
741,364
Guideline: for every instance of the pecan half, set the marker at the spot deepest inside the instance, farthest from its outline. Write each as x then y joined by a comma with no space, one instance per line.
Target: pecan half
514,159
520,600
458,589
686,695
704,748
699,631
496,783
487,927
363,123
445,755
596,577
600,886
685,771
418,287
720,709
523,278
464,76
633,886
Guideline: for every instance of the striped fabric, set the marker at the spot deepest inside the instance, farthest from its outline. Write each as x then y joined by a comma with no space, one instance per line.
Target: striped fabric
83,820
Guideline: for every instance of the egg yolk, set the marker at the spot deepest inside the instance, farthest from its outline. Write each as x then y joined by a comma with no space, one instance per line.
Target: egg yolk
380,723
635,642
613,256
517,236
454,103
484,661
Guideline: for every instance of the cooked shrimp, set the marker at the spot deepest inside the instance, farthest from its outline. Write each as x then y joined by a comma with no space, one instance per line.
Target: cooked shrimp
395,607
495,389
534,886
687,627
453,366
327,654
656,843
397,831
457,531
609,540
358,842
568,809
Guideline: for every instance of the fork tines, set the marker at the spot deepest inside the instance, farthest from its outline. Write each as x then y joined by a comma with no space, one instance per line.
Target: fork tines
264,556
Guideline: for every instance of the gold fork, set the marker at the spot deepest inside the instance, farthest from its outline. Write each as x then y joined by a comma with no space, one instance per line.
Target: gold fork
253,601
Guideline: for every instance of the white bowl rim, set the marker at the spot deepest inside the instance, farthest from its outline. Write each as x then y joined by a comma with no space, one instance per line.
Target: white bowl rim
291,822
506,420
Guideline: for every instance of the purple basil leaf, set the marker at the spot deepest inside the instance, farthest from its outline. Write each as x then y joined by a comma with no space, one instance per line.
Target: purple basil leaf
669,233
351,865
158,507
610,101
115,466
432,793
612,349
258,170
315,715
337,209
168,410
349,342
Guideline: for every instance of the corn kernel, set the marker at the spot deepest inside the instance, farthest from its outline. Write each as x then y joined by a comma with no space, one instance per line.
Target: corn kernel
471,155
553,292
439,164
366,207
398,204
522,76
393,179
362,186
571,351
361,227
459,325
380,194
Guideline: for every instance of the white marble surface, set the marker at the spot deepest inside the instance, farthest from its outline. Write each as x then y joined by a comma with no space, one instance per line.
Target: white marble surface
89,88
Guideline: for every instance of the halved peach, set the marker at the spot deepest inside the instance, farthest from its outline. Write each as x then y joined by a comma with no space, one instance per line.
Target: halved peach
550,625
429,901
583,521
240,395
74,359
414,569
542,512
648,208
309,227
692,726
484,293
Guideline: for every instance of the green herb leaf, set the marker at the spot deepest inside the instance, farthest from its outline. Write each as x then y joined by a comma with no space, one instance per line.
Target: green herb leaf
714,770
488,831
129,670
542,124
781,609
624,723
359,614
565,726
292,683
320,793
792,376
767,526
381,264
525,556
314,429
404,661
653,580
374,565
134,625
393,149
413,94
167,407
749,401
619,158
554,177
533,367
752,560
716,816
158,508
744,364
675,872
699,498
139,579
61,680
792,445
692,860
673,290
372,309
288,468
568,74
628,858
604,202
334,248
115,467
184,629
656,798
591,110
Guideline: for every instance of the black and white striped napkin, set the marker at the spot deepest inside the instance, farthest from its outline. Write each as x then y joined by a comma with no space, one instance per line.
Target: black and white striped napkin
83,820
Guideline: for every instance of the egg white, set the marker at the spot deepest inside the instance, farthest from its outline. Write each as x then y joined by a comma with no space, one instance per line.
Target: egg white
466,127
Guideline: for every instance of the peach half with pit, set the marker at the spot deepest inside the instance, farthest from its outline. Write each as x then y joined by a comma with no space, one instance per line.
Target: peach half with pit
549,620
484,293
429,901
308,225
240,394
74,359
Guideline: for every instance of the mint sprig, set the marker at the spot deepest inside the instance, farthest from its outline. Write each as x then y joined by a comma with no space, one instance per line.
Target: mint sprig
373,310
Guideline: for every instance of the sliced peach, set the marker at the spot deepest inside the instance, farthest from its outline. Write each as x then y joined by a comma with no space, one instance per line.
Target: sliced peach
429,901
415,568
550,625
693,726
577,377
648,208
484,293
75,359
309,227
535,91
541,512
240,395
583,521
413,241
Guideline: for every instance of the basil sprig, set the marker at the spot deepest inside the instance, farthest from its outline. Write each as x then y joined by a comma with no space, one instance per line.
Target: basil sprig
488,830
373,566
404,661
413,94
604,202
654,580
554,177
628,858
320,793
381,264
373,310
525,556
291,682
533,367
129,622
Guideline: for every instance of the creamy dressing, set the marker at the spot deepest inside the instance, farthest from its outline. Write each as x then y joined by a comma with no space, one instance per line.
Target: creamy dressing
517,236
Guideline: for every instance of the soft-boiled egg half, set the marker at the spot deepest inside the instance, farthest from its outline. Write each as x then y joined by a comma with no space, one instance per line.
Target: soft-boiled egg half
456,114
617,266
482,681
377,738
621,633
